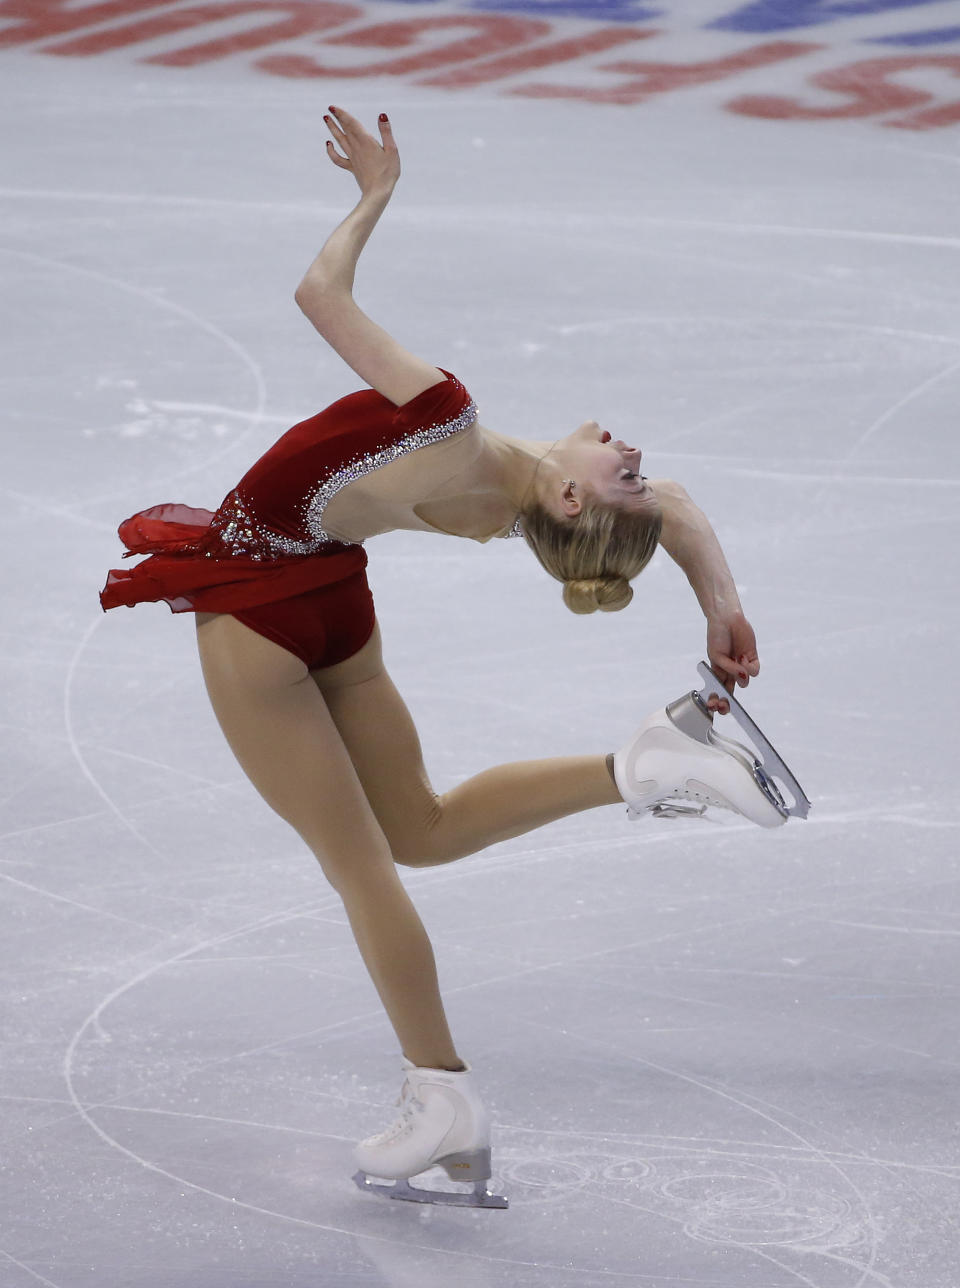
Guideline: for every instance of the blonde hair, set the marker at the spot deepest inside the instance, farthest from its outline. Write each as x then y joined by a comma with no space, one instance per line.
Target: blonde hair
596,553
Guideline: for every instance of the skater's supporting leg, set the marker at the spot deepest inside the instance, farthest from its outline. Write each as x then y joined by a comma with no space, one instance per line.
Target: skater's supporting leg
423,828
281,732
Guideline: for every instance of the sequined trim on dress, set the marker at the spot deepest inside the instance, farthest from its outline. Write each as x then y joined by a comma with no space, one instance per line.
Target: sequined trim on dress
245,535
237,532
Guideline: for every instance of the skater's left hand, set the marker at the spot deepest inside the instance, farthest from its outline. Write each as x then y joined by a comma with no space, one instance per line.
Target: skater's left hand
732,650
375,166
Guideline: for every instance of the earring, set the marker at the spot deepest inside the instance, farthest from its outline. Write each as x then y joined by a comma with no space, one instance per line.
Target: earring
569,482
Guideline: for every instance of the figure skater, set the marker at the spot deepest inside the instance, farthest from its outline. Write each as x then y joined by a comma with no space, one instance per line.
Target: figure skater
291,655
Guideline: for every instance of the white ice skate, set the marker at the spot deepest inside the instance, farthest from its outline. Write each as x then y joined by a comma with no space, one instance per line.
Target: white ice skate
442,1124
677,756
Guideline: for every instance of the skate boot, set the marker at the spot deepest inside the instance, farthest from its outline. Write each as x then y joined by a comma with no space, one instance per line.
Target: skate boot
442,1124
677,764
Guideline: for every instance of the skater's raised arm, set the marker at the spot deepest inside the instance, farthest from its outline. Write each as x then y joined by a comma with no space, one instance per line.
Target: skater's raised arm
326,293
689,539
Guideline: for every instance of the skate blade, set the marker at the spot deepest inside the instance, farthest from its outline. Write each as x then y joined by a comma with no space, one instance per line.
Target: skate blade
772,764
478,1197
671,809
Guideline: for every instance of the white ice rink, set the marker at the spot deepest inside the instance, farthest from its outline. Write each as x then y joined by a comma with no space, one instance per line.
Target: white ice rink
715,1056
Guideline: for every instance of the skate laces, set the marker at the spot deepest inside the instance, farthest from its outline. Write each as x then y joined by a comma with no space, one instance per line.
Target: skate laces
407,1094
409,1106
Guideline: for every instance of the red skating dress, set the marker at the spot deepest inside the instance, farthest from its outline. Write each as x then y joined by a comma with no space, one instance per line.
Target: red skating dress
264,556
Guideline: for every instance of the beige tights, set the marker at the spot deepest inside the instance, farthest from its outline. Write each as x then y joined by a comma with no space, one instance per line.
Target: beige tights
336,754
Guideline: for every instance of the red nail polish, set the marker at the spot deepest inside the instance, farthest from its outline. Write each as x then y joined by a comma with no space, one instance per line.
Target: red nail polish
383,116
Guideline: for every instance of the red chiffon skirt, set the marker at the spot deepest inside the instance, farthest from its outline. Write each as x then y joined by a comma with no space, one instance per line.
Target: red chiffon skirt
188,568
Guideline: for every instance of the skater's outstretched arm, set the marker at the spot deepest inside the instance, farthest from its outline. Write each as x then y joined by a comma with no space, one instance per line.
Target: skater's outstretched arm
691,542
326,293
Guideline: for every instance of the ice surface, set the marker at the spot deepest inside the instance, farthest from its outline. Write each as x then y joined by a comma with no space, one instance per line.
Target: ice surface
714,1056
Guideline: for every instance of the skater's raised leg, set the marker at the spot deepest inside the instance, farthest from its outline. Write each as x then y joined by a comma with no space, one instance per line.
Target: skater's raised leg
425,828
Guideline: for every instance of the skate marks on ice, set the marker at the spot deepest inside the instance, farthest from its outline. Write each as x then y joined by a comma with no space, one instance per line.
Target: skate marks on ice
794,348
270,1161
767,1209
114,406
105,401
772,1201
794,1205
34,1276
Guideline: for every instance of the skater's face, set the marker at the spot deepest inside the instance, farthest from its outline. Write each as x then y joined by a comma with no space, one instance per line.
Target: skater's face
606,469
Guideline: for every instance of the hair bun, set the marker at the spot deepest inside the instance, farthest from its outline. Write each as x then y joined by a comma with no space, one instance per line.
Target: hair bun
608,594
